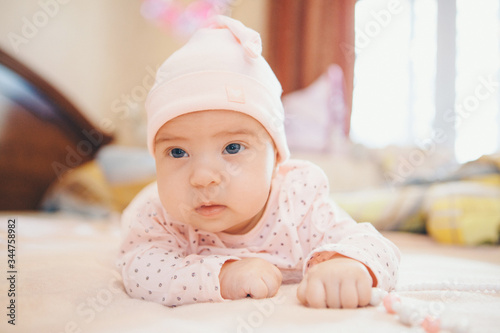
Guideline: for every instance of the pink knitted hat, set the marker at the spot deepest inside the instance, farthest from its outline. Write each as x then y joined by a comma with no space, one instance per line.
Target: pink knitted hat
219,68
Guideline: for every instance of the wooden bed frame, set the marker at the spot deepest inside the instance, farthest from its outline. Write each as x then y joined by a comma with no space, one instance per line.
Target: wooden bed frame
42,135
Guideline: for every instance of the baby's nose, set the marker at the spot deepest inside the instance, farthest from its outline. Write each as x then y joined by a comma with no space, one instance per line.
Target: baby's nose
205,174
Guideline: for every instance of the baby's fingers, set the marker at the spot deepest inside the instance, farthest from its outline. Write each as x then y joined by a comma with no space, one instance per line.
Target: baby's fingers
348,295
333,300
301,292
312,293
258,289
273,281
364,292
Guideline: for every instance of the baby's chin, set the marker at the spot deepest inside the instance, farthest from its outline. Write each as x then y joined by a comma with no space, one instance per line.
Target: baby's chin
212,226
215,220
215,226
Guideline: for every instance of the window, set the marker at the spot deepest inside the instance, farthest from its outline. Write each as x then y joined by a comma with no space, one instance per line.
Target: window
403,97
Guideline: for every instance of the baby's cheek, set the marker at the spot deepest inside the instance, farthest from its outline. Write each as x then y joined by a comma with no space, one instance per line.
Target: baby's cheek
172,201
233,169
255,193
250,183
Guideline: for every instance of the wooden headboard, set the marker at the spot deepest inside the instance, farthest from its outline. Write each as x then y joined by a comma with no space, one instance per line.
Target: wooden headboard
42,135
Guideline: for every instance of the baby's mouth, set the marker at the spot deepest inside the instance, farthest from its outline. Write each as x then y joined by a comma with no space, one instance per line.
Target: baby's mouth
210,210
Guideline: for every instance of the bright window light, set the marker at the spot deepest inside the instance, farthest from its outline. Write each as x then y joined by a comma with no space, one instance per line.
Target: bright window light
394,100
477,86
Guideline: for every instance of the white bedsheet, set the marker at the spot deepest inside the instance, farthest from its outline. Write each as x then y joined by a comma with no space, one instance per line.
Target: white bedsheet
66,282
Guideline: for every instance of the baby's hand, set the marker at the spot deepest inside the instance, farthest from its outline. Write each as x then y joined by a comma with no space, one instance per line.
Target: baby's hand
336,283
250,276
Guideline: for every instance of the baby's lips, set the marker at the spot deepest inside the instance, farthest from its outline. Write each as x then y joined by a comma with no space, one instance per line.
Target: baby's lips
210,209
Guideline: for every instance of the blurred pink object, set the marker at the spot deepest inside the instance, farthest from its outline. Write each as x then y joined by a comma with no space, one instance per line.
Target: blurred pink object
315,116
180,19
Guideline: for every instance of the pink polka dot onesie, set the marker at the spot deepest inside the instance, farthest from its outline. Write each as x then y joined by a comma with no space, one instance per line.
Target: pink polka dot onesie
168,262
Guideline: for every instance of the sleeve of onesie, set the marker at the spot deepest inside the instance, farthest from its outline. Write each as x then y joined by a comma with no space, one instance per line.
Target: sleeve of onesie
330,230
155,264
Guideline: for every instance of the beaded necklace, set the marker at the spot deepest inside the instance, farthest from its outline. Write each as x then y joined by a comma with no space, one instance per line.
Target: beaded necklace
411,316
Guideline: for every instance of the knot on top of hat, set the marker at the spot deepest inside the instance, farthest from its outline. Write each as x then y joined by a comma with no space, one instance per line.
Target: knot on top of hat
248,38
253,47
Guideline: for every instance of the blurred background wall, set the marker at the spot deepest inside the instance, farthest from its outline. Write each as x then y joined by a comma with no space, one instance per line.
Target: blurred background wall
102,54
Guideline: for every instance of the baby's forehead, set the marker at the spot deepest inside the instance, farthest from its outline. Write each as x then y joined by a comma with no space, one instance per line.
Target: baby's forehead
214,122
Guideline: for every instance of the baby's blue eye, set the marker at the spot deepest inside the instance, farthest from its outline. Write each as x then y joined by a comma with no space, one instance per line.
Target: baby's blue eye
233,148
177,153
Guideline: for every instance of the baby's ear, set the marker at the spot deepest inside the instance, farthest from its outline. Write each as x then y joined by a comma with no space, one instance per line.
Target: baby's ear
276,165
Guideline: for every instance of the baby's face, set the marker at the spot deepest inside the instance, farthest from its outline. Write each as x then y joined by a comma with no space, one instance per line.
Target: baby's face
214,169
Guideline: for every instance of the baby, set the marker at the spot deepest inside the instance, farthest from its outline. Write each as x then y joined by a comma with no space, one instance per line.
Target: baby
231,216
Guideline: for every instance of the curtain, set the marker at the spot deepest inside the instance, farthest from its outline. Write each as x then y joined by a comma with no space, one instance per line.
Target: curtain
306,36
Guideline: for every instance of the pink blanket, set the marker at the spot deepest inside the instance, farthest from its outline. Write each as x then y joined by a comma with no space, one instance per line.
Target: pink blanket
66,281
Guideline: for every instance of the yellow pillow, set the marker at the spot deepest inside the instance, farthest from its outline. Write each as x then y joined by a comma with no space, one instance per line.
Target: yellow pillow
466,212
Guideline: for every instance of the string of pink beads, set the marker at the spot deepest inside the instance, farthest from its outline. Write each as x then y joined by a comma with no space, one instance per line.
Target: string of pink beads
409,315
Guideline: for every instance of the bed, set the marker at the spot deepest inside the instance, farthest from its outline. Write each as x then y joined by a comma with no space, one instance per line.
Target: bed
59,272
66,281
